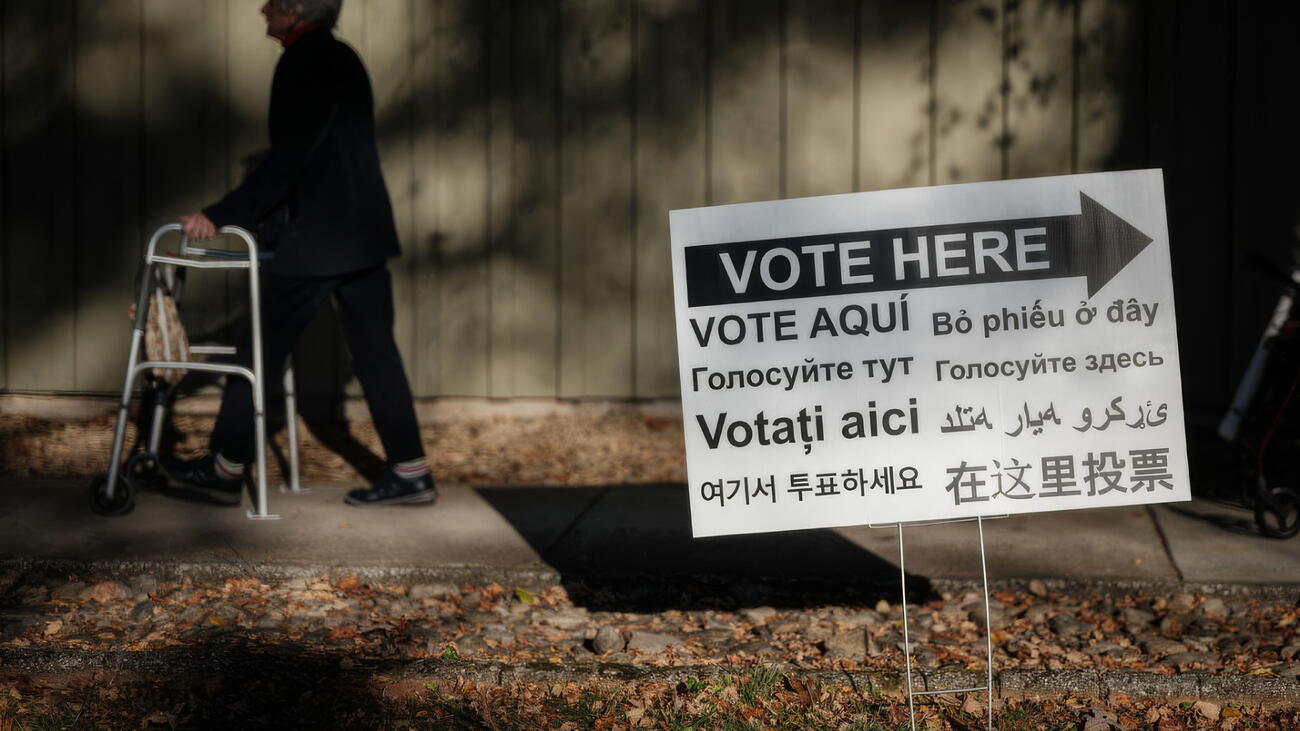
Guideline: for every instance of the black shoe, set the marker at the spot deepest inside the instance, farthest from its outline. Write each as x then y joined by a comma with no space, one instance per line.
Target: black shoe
200,475
389,489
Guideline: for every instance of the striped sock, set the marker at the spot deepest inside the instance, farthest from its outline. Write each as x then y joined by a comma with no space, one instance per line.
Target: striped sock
228,469
412,469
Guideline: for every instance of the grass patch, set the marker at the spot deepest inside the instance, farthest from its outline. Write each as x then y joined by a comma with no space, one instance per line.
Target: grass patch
761,698
759,685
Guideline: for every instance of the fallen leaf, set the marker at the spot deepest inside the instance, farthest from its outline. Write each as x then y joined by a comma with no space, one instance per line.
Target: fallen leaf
525,596
343,632
1207,709
105,591
1100,719
801,689
237,586
160,717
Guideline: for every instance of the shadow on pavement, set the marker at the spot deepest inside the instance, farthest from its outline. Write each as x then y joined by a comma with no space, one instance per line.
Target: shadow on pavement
1225,516
1224,475
629,548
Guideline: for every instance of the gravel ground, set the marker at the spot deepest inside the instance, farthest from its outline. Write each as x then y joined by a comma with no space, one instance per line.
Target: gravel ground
1157,633
621,446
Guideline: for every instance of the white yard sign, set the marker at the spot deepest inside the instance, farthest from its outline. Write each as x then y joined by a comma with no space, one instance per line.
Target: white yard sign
929,353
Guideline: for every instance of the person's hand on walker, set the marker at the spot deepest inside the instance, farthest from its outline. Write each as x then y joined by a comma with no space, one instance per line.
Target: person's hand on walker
198,226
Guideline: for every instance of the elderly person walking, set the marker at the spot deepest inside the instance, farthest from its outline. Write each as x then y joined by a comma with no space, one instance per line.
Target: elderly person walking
321,187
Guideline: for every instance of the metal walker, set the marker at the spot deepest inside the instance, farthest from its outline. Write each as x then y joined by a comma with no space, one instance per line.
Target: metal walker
113,493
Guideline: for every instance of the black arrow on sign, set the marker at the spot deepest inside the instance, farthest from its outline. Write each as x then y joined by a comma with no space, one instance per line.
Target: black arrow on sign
1101,243
1095,244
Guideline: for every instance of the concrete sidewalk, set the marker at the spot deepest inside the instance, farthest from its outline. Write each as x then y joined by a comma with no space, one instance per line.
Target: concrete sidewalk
539,535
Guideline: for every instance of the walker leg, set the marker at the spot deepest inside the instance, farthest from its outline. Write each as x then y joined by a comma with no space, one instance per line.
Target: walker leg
259,390
259,425
124,403
156,427
291,433
119,430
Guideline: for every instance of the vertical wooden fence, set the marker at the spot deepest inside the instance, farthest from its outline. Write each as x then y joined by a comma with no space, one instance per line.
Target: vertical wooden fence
533,148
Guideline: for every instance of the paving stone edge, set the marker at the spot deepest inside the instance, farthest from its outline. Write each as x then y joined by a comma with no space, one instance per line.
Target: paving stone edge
277,571
1269,693
530,576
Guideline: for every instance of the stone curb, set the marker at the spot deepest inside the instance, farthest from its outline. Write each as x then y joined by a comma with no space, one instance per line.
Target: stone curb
275,571
544,576
1265,692
1115,587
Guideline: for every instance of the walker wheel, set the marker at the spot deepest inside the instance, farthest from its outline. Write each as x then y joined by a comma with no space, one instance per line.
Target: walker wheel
1277,512
122,502
144,473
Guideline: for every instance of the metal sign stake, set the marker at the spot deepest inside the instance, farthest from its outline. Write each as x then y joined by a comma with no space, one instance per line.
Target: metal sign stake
988,620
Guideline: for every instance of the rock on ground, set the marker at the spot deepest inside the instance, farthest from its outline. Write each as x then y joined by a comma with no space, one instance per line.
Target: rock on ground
569,618
847,645
69,592
1067,625
432,591
652,642
1214,608
608,639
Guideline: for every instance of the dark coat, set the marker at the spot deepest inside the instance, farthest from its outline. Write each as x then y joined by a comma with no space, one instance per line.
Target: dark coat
323,166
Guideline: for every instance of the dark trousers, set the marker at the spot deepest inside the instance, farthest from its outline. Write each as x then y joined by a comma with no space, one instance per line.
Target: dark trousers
365,307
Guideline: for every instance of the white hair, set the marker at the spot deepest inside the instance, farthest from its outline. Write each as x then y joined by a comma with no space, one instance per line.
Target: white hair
317,12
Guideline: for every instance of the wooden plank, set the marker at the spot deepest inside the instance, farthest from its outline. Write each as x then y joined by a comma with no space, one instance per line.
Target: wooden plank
461,178
536,193
108,195
214,178
1198,125
671,170
1257,215
504,323
40,292
1040,95
251,63
968,91
1265,189
745,135
820,40
351,25
1112,109
251,58
425,366
184,151
894,63
387,45
4,206
596,272
324,371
